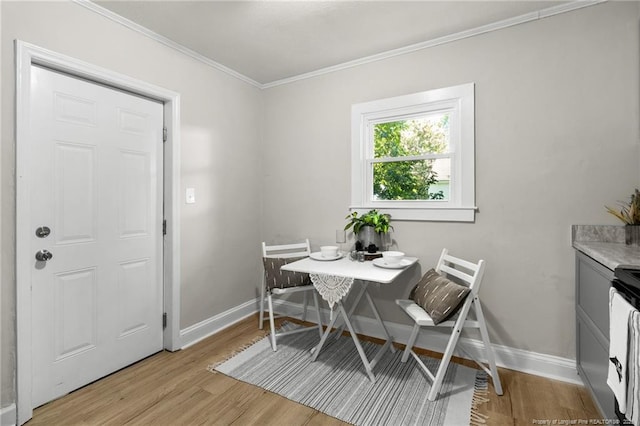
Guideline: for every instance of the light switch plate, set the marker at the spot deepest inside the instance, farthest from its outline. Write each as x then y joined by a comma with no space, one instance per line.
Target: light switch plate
191,195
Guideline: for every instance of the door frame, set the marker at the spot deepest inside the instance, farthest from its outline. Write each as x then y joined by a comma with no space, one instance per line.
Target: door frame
26,56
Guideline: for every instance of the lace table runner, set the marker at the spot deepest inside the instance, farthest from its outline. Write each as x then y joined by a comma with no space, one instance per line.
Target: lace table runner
332,288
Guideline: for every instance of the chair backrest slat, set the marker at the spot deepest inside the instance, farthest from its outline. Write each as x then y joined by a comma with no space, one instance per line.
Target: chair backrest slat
287,250
458,268
457,273
464,263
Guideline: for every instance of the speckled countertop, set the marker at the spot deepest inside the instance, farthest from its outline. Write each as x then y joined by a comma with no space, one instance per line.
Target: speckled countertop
605,244
610,255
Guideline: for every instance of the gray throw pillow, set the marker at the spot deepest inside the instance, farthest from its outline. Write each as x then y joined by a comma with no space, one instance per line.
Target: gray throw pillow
439,296
276,278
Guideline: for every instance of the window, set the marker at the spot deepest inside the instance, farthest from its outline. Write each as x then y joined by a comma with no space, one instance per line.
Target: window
413,156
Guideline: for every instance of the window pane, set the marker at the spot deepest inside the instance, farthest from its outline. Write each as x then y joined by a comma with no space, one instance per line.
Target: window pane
412,180
416,136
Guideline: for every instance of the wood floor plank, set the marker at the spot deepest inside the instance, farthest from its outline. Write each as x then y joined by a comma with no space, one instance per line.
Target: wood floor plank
271,407
176,389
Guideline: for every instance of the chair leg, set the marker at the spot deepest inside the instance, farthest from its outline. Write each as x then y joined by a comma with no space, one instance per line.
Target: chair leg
497,385
456,330
319,316
410,343
261,324
444,363
304,309
272,323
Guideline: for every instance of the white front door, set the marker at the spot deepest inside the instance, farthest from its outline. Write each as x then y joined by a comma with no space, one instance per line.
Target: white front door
95,193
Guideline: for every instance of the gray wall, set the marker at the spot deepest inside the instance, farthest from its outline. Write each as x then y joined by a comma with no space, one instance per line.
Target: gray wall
556,140
220,119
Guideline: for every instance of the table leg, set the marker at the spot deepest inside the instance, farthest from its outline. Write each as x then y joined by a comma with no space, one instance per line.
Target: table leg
316,349
356,341
361,292
368,365
380,322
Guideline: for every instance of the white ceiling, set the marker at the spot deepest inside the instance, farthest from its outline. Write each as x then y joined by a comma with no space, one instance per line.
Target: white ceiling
270,40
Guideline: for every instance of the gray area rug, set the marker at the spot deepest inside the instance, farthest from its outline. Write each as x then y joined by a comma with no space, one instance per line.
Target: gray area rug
337,384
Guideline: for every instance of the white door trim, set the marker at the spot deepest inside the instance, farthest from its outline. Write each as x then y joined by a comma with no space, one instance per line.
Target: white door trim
26,55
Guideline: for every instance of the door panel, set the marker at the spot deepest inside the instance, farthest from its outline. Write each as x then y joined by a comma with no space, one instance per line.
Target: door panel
96,181
75,110
133,286
134,194
76,193
75,313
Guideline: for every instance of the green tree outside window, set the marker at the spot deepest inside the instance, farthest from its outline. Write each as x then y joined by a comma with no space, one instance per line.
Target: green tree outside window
408,178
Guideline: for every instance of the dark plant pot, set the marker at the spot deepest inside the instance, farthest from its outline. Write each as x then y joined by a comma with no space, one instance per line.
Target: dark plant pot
632,235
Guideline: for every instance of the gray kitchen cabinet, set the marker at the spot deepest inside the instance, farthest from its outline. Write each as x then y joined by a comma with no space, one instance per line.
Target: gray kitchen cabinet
593,281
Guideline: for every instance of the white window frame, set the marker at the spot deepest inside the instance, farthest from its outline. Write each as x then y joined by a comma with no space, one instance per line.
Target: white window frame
459,102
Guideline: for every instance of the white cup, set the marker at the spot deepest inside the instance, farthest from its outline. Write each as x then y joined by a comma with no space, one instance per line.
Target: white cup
329,251
392,257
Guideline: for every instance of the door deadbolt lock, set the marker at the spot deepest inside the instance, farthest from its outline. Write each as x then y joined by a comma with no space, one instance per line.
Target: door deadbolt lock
43,232
44,255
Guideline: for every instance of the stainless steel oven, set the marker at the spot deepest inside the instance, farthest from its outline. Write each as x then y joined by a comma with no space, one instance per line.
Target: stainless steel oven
627,282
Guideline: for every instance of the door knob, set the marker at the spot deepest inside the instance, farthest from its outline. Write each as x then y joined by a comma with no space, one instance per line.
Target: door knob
44,255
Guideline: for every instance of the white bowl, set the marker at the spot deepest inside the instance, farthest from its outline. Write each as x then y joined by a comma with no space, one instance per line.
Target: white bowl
392,257
329,251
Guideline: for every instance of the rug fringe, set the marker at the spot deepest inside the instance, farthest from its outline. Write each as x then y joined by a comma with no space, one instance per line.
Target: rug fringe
212,367
480,396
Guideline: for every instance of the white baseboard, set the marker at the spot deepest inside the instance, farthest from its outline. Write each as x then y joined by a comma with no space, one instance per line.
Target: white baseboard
549,366
210,326
8,415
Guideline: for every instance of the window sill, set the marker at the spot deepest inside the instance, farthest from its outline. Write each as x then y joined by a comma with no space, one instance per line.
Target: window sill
431,214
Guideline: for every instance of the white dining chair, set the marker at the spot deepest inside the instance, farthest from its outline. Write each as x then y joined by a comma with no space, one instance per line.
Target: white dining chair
276,282
434,291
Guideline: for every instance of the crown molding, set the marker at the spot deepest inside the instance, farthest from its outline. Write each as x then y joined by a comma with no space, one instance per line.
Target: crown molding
164,40
495,26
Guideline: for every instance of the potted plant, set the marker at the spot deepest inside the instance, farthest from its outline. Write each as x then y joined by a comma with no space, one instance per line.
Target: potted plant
369,228
629,214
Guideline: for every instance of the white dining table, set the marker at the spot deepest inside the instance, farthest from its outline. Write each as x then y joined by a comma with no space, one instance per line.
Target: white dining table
359,274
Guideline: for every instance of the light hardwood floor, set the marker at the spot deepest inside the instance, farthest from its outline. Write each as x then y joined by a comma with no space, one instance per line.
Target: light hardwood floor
176,389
